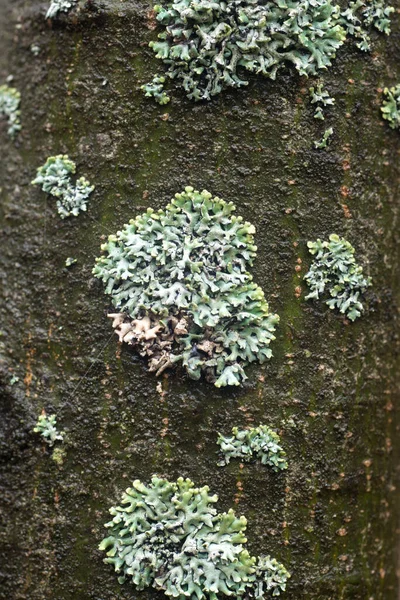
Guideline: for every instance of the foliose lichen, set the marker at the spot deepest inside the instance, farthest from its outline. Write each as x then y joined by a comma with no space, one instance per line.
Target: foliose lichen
208,46
46,426
55,178
168,535
391,106
10,99
57,6
260,443
335,271
155,89
361,15
321,99
323,143
180,281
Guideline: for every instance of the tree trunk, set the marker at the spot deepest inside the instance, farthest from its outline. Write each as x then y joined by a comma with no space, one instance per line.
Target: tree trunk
331,389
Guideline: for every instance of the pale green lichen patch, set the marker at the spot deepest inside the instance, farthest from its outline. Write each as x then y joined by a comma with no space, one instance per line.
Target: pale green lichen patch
391,106
59,455
46,426
55,179
155,89
361,15
209,46
168,535
321,99
334,270
10,99
325,140
57,6
180,279
256,443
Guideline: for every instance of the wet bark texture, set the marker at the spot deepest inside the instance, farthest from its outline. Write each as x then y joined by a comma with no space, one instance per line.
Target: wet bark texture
331,389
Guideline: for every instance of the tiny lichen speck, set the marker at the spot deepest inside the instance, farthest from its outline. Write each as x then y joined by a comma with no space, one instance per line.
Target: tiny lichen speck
259,443
57,6
391,106
10,99
179,279
169,536
46,426
55,179
334,268
324,141
209,46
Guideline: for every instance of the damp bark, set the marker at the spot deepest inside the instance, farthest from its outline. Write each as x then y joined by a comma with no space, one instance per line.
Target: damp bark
331,389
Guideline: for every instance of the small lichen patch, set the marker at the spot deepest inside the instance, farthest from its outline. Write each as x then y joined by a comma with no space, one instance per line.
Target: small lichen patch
209,46
168,535
59,455
391,106
155,89
260,443
323,143
361,15
55,178
46,426
321,99
179,279
10,99
57,6
335,271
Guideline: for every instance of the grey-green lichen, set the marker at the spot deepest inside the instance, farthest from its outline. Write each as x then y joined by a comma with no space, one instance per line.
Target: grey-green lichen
321,99
155,89
208,46
46,426
323,143
168,535
180,281
70,261
57,6
10,99
260,443
334,270
54,177
391,106
361,15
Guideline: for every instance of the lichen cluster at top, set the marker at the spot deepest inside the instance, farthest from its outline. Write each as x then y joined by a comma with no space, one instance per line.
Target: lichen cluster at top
54,177
46,426
168,535
259,443
10,99
334,270
209,45
181,275
391,106
57,6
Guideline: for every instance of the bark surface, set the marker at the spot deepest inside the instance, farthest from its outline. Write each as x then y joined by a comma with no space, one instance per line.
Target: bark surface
331,389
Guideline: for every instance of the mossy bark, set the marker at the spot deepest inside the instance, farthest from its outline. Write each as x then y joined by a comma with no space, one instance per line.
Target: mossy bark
331,389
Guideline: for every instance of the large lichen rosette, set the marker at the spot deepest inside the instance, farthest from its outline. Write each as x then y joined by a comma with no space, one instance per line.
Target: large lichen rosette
168,535
209,46
179,279
205,44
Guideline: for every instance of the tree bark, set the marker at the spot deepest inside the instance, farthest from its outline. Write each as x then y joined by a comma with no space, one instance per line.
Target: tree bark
331,389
